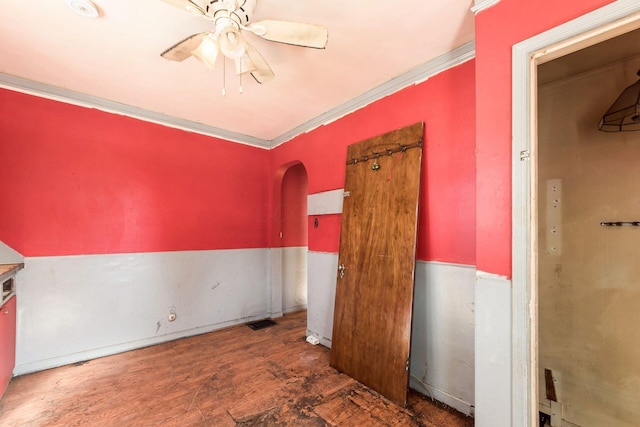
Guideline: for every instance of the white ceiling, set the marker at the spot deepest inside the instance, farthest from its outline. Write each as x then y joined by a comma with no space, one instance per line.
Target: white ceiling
116,57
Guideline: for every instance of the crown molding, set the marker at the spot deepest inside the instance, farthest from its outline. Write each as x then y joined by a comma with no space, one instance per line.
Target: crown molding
419,74
55,93
481,5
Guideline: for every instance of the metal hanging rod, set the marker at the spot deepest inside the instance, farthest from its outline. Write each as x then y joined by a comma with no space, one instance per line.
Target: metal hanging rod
384,152
621,224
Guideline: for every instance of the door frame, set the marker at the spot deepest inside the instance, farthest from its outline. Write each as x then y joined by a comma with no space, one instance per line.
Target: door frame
607,22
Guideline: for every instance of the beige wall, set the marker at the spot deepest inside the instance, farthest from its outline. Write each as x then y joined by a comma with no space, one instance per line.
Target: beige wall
589,288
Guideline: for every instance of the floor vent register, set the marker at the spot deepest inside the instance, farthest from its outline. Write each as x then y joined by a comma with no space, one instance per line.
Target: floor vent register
261,324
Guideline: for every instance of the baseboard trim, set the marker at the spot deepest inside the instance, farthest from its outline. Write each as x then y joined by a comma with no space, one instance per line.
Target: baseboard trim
441,396
294,309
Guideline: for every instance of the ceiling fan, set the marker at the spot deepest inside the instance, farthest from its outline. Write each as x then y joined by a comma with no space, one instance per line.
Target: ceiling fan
231,18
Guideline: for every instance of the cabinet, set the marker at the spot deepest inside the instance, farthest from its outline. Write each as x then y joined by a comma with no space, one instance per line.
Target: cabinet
7,323
7,342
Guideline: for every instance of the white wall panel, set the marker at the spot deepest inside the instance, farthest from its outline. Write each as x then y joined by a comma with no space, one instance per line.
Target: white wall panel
442,339
294,278
74,308
321,295
493,351
326,202
275,282
9,256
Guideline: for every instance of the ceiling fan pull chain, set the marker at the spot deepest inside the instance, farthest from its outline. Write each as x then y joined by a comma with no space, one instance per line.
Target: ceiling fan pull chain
224,76
240,75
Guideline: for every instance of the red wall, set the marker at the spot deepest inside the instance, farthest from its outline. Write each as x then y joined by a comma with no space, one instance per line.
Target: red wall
81,181
446,104
326,236
497,30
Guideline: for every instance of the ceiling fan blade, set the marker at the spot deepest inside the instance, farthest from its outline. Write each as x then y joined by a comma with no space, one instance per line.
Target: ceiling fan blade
187,5
263,73
244,65
182,50
295,33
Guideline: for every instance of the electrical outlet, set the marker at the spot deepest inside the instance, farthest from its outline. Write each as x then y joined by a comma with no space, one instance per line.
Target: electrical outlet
172,314
554,217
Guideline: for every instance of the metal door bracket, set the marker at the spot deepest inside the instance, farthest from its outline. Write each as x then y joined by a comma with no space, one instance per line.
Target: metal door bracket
341,269
524,155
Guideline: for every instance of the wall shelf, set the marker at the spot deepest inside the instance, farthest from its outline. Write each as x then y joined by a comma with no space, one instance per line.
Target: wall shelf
7,273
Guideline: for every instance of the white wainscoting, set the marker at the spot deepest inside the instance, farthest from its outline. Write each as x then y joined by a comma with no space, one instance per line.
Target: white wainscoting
294,278
9,256
274,284
493,350
75,308
321,291
442,344
442,354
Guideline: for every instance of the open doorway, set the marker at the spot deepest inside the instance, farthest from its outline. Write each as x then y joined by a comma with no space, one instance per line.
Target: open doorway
588,273
294,238
534,321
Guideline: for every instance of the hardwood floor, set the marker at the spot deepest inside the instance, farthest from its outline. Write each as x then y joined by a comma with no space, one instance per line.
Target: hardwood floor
232,377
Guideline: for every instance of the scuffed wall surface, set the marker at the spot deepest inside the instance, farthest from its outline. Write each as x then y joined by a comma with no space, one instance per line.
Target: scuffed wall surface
294,278
442,338
75,308
121,219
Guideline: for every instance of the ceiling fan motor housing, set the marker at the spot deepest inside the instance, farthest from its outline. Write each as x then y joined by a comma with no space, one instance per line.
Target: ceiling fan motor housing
230,18
238,11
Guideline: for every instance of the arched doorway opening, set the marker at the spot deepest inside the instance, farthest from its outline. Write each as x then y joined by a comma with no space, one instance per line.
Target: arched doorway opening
293,238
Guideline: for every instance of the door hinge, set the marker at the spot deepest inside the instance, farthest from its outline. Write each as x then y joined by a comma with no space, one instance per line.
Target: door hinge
406,366
524,155
346,193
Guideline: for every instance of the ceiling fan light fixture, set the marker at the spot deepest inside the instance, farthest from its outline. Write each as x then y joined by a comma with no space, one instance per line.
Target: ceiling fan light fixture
207,51
84,8
232,45
230,18
624,113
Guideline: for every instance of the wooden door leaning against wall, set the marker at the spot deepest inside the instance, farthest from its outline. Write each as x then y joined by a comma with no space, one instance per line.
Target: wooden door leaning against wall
375,279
